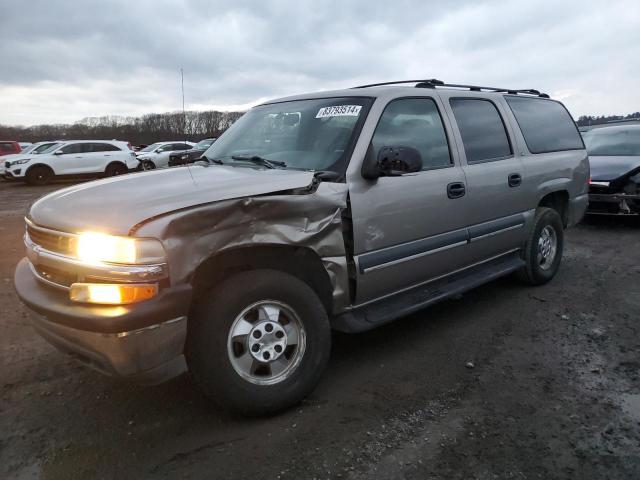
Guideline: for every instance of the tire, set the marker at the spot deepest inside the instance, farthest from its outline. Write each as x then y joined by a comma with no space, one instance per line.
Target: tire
147,165
543,250
39,175
115,169
222,364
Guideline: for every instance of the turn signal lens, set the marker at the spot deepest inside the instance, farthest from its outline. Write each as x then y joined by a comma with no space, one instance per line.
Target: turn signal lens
112,294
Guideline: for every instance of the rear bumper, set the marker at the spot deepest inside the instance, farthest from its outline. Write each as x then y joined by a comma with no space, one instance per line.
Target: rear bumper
143,341
577,209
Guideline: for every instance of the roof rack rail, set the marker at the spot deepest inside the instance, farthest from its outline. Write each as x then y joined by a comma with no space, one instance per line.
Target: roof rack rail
433,83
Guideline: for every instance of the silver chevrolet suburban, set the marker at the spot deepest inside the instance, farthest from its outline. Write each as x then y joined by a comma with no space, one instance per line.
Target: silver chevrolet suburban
336,210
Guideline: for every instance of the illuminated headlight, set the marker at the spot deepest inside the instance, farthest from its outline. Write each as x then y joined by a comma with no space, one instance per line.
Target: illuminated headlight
20,162
112,294
100,248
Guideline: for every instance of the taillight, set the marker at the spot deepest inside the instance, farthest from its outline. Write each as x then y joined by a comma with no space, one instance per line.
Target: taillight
129,145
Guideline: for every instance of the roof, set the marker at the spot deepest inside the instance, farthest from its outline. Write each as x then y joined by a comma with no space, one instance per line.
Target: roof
391,89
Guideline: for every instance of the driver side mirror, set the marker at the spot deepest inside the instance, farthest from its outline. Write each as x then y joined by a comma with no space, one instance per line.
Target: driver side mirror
58,152
391,162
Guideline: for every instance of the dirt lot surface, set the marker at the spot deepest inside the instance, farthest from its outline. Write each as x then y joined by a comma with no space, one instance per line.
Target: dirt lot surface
506,381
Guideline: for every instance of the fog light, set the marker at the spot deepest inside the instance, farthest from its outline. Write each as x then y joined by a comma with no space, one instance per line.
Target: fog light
112,294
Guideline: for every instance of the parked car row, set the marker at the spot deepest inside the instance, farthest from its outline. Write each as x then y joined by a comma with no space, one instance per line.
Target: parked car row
41,162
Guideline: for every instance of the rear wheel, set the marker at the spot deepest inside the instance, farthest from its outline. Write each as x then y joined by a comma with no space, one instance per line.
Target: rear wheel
116,169
259,342
543,251
39,175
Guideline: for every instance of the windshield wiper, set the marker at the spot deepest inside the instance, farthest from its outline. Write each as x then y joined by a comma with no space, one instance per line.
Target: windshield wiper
212,160
260,161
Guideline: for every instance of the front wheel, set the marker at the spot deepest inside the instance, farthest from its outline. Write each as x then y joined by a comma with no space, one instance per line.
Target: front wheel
259,342
147,165
39,175
543,250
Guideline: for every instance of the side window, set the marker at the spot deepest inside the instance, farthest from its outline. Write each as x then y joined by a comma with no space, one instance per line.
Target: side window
181,146
103,147
483,132
545,124
72,148
415,123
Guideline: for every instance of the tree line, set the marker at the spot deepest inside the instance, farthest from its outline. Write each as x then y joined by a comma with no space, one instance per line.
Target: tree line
587,120
146,129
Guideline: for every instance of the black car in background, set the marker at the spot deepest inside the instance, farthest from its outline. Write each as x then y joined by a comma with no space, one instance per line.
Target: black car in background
190,156
614,157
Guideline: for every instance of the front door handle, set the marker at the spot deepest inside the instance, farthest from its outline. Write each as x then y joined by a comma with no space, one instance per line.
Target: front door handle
456,190
515,179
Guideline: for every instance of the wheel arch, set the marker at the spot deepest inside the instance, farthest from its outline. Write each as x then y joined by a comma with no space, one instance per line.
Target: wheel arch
559,201
31,167
115,162
301,262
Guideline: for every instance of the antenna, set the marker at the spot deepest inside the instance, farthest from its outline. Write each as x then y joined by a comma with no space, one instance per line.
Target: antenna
184,120
184,115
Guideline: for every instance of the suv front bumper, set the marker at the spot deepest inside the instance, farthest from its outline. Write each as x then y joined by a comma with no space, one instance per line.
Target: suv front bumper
143,342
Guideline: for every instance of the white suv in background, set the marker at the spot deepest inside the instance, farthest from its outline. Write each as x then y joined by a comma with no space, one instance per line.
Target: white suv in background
157,155
77,158
33,149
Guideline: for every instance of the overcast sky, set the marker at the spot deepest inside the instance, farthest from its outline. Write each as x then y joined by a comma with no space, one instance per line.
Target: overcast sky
65,60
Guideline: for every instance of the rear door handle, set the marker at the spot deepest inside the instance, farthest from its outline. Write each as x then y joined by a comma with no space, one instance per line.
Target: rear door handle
515,179
456,190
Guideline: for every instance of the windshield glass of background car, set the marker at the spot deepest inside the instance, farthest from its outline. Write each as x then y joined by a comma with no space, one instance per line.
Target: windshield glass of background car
45,148
203,144
305,134
613,142
151,147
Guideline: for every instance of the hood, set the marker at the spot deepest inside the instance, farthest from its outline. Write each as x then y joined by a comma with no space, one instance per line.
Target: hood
611,168
115,205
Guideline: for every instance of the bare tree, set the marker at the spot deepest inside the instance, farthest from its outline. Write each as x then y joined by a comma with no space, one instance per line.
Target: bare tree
146,129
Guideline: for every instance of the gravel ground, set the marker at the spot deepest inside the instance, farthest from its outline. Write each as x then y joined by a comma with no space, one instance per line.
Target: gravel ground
506,381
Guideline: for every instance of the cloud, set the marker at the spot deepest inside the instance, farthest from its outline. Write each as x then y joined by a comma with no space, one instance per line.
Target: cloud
66,60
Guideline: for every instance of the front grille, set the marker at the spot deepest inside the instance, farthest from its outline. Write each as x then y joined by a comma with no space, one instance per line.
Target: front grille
54,242
57,276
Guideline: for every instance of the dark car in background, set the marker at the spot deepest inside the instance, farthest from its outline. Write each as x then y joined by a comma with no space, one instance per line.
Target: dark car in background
614,156
190,156
9,148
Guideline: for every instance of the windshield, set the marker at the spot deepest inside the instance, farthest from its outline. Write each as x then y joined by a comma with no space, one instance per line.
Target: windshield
615,141
202,144
305,134
151,147
44,148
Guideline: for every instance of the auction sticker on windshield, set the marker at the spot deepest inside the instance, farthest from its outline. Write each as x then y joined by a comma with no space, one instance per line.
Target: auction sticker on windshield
339,111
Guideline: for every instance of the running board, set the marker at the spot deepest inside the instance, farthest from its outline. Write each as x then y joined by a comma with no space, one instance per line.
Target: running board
389,309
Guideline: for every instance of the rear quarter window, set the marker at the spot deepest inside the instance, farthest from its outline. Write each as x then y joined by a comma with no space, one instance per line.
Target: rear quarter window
545,124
